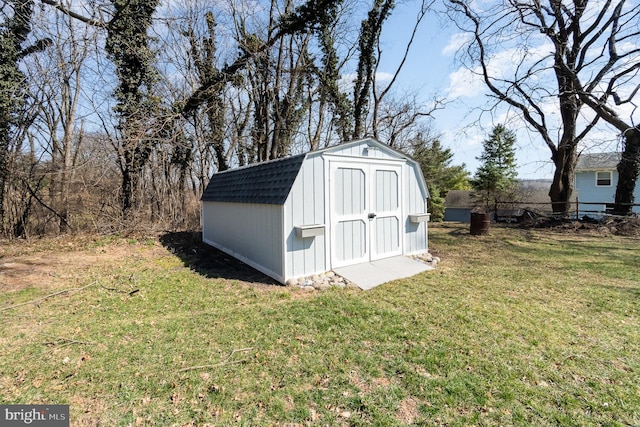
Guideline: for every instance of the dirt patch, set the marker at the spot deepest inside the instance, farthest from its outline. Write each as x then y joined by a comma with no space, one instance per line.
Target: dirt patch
17,274
368,386
407,411
607,226
42,271
52,264
56,266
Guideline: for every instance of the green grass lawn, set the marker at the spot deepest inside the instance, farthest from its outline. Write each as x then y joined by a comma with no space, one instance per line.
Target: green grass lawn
520,327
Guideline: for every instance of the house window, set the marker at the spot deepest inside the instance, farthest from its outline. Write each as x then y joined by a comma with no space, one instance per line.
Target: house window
603,179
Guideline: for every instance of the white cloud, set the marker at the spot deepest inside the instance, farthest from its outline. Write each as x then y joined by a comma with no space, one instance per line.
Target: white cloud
456,41
502,65
383,77
465,83
347,81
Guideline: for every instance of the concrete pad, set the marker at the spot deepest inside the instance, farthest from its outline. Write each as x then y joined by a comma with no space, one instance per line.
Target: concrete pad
371,274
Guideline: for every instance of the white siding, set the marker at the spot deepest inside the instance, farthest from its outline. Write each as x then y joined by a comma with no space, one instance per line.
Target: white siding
306,206
416,240
362,149
250,232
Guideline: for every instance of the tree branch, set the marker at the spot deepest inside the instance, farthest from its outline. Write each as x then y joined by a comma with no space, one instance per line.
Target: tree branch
421,14
502,96
44,205
75,15
305,17
46,297
66,341
224,362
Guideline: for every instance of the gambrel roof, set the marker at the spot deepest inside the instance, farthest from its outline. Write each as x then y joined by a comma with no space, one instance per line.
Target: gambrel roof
270,182
598,161
262,183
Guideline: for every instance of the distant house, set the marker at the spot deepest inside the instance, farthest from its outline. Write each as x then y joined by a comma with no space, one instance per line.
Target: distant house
534,195
458,206
531,195
596,181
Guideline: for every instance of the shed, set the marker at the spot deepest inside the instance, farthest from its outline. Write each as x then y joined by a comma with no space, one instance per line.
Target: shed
307,214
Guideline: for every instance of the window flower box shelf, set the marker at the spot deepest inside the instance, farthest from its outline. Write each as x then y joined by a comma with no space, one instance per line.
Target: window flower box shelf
419,217
306,231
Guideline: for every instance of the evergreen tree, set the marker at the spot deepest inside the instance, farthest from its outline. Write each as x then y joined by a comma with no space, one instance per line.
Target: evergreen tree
440,175
496,176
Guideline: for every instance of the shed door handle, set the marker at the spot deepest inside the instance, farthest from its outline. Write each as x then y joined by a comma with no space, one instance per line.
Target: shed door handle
372,215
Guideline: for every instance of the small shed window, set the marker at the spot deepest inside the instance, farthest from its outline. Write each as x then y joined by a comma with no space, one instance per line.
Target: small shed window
603,179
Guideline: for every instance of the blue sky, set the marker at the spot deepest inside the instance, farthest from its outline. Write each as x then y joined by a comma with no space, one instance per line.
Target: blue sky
432,70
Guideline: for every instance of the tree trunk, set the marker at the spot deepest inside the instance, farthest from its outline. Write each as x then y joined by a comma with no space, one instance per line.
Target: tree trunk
128,184
4,163
563,179
628,171
215,114
205,58
69,160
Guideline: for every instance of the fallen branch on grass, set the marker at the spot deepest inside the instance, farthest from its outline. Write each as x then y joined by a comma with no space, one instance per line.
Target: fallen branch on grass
224,362
215,365
66,341
46,297
130,293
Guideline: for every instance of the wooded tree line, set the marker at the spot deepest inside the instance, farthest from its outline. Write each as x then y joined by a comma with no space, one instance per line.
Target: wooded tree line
116,113
113,114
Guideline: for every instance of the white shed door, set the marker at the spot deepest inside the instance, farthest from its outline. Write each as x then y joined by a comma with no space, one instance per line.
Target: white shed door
365,212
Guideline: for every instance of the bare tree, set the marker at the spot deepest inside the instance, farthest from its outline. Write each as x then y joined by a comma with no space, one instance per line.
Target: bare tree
369,39
58,77
554,48
400,117
15,30
299,20
195,144
203,55
192,89
275,80
612,90
328,97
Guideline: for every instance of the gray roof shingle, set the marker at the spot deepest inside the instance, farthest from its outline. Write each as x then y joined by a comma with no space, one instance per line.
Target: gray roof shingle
263,183
598,161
